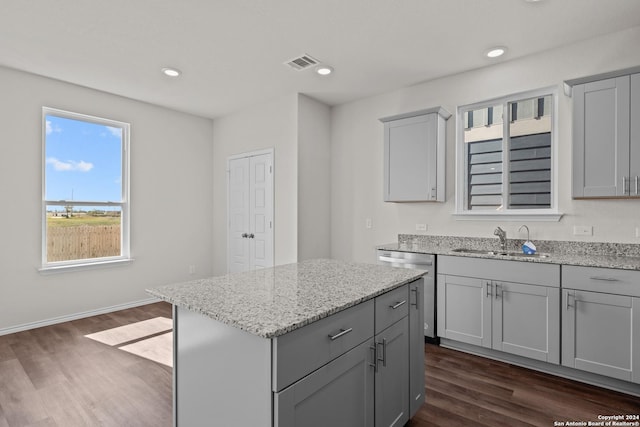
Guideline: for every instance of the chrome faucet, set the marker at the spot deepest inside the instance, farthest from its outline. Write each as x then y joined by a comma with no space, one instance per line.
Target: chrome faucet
502,235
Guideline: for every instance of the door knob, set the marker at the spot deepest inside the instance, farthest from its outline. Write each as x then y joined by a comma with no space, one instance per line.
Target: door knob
245,235
251,236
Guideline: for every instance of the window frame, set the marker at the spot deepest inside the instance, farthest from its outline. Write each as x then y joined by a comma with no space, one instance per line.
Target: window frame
461,209
124,203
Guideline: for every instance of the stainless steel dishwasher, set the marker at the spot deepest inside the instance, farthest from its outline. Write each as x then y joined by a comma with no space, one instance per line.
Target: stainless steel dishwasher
422,262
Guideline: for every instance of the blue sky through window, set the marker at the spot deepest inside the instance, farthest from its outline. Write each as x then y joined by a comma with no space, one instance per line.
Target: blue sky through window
83,160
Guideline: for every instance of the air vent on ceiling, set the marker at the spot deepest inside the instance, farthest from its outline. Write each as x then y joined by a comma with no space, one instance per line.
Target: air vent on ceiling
302,62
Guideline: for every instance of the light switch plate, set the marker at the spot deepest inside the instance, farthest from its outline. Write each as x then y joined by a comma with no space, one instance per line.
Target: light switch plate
583,230
368,223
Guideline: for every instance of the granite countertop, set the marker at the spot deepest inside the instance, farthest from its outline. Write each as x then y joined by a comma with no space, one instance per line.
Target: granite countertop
588,254
273,301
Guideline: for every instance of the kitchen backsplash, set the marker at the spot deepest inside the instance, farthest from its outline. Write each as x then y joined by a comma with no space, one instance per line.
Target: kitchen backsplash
544,246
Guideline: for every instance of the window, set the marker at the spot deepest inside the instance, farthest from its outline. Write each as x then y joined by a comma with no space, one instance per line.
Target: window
505,157
85,207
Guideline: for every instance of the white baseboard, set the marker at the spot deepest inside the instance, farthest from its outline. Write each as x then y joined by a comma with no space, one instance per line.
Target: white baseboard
76,316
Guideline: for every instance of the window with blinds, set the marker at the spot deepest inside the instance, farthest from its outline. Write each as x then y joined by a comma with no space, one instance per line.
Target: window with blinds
508,157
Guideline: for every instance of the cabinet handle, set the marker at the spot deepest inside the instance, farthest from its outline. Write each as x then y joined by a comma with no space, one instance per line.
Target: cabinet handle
251,236
398,304
245,235
636,185
384,352
624,185
417,291
339,334
568,295
497,288
605,279
374,348
489,291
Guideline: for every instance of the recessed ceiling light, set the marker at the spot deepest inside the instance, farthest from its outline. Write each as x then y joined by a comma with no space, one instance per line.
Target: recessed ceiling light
324,70
171,72
495,52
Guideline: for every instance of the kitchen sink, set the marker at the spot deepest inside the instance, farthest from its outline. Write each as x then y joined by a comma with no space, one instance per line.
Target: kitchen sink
499,253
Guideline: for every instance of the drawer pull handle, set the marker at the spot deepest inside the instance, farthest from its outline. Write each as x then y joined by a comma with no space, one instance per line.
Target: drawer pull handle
398,304
605,279
417,297
339,334
374,365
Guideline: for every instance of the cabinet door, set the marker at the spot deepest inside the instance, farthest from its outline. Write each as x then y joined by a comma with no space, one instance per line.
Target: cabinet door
410,159
416,346
340,393
526,321
599,334
392,378
601,138
634,162
464,309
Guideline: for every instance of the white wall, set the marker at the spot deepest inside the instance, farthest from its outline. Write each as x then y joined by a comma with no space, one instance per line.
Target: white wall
268,125
357,149
314,179
171,205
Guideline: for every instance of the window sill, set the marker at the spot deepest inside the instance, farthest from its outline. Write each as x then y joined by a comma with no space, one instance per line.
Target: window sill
508,216
67,268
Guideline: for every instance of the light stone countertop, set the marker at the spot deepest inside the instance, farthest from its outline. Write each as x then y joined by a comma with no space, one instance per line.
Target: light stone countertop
273,301
587,254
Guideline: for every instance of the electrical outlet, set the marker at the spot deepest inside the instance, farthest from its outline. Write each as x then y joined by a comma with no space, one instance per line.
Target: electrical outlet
368,223
421,227
583,230
192,269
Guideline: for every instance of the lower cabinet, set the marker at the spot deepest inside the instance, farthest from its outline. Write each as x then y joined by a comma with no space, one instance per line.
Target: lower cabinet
480,303
340,393
600,330
392,375
371,384
416,346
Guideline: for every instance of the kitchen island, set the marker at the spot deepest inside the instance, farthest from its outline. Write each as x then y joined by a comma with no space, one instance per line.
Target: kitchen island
320,342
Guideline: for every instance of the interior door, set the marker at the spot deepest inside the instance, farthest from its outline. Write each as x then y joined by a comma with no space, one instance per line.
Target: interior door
250,212
260,212
238,214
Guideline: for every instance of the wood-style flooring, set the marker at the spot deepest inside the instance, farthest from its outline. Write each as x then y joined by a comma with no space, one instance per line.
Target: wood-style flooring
55,376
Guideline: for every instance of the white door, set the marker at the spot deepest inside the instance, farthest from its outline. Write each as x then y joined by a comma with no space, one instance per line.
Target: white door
250,212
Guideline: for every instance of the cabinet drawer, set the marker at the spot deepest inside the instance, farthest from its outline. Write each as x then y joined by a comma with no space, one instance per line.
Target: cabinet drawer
391,307
531,273
304,350
596,279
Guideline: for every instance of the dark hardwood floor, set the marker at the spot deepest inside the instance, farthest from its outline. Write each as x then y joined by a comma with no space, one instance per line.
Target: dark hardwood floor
54,376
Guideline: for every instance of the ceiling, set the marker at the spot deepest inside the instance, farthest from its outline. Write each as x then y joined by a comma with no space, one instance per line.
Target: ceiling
231,52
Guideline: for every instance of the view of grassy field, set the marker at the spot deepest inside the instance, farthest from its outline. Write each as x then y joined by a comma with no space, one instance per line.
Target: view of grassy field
78,220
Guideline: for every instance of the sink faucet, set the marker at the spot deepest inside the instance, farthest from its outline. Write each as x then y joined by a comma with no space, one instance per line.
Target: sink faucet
502,235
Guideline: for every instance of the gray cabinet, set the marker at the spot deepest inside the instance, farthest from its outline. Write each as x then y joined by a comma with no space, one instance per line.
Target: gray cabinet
416,346
508,306
392,375
352,368
606,137
340,393
600,321
392,358
414,156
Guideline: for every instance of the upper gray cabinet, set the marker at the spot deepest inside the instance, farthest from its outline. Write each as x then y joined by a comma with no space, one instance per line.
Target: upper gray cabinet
606,135
414,156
